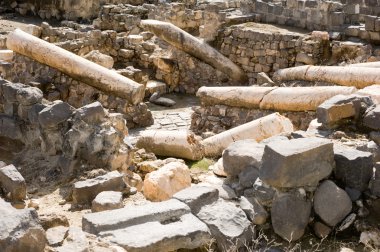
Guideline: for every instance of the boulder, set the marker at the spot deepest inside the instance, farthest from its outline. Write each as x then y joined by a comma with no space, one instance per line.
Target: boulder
20,229
56,235
85,191
241,155
197,196
353,167
228,224
290,215
54,114
297,162
51,220
13,183
91,113
100,59
321,230
107,200
164,183
163,101
254,210
371,118
331,203
76,240
218,168
29,96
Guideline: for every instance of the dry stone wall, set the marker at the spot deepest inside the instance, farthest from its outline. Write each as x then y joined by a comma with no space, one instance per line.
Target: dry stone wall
257,48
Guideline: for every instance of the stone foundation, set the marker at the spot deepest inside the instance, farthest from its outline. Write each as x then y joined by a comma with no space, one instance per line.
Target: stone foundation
218,118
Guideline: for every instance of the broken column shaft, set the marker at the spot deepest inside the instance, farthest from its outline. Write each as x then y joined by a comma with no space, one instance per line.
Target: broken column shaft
195,47
75,66
359,77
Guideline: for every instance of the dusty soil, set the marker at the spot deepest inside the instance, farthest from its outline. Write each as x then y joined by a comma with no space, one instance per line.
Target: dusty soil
11,21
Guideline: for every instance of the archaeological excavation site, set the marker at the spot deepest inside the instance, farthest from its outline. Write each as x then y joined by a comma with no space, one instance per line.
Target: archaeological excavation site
189,125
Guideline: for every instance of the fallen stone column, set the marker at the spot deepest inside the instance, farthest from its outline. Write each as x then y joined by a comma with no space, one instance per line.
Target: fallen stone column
171,144
301,98
359,77
75,66
271,98
258,130
375,64
195,47
246,97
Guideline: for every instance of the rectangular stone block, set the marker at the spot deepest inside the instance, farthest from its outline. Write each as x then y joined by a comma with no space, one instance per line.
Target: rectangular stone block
353,167
95,223
161,237
13,182
298,162
85,191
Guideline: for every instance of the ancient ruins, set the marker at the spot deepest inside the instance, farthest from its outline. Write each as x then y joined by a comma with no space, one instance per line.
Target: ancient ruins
194,125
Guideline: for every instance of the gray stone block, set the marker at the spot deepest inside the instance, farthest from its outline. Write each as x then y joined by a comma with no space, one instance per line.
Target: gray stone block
197,196
85,191
331,203
95,223
298,162
353,167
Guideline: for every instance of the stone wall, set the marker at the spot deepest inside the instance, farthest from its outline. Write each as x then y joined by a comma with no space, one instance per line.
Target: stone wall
219,118
68,137
266,48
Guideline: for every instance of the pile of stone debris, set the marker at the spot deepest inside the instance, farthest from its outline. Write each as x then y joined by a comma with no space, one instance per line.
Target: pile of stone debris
318,181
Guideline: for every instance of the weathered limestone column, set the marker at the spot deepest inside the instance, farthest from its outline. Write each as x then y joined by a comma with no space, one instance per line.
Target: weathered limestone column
271,98
258,130
75,66
301,98
171,143
195,47
359,77
245,97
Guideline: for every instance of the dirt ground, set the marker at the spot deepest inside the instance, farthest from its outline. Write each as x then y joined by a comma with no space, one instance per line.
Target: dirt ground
11,21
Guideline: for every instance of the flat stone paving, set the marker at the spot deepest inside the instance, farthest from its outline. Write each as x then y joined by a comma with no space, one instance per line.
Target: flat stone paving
177,117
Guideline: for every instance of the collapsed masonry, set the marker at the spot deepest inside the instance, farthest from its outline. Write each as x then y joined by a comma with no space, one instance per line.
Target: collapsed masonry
279,168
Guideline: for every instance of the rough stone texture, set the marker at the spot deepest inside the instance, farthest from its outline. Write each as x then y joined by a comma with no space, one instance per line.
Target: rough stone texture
56,235
187,232
331,203
353,167
372,118
11,181
165,182
321,230
197,196
133,215
53,220
100,59
85,191
57,113
254,210
228,224
332,112
241,155
107,200
20,229
261,192
76,240
290,216
298,162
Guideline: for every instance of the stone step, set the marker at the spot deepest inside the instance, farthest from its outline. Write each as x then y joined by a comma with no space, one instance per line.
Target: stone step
133,215
186,232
